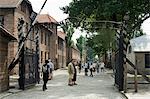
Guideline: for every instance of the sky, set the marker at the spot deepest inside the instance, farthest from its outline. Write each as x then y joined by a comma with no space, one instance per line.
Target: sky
52,8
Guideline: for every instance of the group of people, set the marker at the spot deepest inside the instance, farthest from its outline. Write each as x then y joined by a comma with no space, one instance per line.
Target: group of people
47,70
93,67
72,72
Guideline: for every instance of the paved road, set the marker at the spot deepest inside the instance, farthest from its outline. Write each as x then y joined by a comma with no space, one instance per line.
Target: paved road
98,87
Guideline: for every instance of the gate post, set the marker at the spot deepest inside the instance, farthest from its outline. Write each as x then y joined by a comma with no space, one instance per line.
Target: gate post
119,77
125,45
37,55
21,79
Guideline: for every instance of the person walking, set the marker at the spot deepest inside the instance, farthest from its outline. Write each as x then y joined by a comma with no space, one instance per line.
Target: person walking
45,70
86,69
102,66
91,70
75,73
71,72
80,67
97,66
51,66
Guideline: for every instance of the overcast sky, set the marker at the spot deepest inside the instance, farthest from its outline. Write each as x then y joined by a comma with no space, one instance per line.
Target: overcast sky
52,8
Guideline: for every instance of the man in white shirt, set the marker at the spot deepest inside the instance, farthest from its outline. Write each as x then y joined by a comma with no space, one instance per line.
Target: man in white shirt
102,66
51,66
86,69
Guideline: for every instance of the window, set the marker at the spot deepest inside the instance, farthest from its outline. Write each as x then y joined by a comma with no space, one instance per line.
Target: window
45,56
23,7
41,36
60,44
41,56
48,55
48,40
1,20
51,26
45,38
147,60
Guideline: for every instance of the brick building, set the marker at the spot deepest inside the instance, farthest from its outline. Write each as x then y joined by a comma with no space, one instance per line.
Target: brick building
10,13
72,53
61,49
75,54
48,39
5,38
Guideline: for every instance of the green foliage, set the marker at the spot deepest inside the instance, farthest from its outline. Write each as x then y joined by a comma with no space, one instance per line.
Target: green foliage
87,13
69,30
111,10
81,44
102,41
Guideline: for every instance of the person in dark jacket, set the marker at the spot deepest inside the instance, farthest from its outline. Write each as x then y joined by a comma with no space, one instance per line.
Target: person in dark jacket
46,71
80,67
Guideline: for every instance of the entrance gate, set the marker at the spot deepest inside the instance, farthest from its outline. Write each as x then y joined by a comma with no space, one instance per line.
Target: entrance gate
28,59
28,68
31,67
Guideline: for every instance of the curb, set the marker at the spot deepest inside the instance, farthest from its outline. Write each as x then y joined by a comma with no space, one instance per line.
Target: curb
9,93
3,95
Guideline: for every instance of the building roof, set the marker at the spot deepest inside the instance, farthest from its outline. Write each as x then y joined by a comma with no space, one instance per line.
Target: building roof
6,33
61,34
141,44
46,18
11,3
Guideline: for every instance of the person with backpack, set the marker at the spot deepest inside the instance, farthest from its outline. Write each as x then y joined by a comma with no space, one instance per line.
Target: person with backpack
51,66
46,71
91,69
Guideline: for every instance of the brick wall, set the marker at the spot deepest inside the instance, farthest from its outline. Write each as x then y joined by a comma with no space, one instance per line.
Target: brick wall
54,48
72,53
75,54
13,46
9,25
62,54
44,46
4,83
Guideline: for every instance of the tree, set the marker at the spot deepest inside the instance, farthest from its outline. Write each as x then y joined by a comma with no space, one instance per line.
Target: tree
102,41
111,10
69,30
81,45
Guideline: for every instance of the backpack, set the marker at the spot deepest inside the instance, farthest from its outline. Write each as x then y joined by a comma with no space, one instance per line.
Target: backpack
44,68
